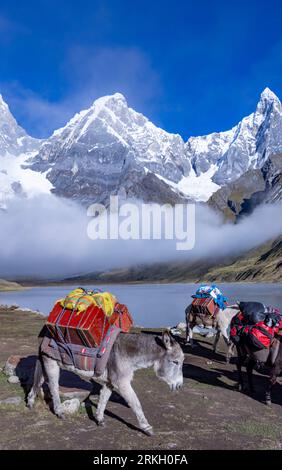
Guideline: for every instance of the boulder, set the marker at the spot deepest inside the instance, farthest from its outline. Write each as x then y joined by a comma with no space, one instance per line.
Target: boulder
11,365
20,366
13,379
71,407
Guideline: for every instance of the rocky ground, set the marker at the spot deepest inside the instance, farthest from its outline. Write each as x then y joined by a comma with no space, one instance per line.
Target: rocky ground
208,413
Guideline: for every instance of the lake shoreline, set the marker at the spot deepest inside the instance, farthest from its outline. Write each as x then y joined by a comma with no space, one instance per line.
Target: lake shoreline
150,304
33,285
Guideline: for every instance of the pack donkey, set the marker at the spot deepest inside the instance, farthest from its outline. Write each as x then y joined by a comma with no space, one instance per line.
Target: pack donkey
272,358
221,323
130,352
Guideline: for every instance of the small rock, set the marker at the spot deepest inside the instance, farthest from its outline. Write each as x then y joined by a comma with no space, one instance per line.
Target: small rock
205,397
11,401
41,423
171,445
71,407
209,363
13,379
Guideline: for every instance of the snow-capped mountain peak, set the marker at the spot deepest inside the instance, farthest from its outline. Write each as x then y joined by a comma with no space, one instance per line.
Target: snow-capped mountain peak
268,95
13,139
16,146
99,146
247,145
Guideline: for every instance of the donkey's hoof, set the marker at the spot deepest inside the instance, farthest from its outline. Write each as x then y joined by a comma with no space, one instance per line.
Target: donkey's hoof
148,431
30,405
101,423
268,402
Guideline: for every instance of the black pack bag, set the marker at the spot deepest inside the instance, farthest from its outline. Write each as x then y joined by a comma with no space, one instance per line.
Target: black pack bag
254,312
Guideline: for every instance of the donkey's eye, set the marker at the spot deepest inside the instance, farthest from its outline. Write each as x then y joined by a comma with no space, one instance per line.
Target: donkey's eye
175,362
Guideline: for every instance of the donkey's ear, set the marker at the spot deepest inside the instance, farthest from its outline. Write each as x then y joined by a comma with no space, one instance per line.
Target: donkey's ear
167,339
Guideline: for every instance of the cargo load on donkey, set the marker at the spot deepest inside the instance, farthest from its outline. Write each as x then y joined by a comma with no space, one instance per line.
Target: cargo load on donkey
257,323
83,327
207,301
203,312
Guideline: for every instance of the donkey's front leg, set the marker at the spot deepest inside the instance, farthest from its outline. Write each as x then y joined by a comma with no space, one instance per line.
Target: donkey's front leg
52,370
127,392
105,394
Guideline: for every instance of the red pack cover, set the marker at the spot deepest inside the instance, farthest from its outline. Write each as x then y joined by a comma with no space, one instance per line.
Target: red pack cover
86,328
260,334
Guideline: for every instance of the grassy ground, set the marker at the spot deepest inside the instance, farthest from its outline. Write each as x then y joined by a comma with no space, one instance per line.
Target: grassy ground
206,414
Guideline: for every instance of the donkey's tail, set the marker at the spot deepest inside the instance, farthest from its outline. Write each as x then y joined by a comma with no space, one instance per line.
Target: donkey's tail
38,373
38,380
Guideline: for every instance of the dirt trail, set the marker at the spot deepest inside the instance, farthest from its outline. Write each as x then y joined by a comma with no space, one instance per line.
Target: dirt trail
206,414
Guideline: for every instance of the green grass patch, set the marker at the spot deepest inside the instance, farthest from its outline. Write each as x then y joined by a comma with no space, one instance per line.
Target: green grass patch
257,429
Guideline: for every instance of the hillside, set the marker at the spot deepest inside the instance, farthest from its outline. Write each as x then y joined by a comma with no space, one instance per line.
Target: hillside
7,285
260,264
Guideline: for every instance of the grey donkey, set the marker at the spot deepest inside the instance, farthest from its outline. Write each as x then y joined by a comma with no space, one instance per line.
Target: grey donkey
221,323
130,352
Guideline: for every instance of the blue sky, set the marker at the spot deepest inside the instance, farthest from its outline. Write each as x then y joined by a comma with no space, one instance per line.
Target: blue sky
191,67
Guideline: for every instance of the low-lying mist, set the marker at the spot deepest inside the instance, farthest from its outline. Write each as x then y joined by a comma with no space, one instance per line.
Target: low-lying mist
46,237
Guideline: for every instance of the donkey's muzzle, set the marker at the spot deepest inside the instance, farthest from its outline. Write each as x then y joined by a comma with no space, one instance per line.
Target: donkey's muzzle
177,386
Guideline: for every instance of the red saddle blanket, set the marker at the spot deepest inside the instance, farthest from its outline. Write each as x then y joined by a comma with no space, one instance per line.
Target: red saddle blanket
83,358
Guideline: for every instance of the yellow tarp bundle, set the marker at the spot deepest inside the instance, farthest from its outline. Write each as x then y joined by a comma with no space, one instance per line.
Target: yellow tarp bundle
80,300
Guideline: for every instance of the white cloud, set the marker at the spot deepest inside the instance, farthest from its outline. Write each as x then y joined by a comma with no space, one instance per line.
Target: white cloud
47,236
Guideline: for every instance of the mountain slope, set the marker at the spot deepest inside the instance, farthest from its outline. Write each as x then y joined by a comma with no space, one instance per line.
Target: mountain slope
13,139
254,187
261,264
16,147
